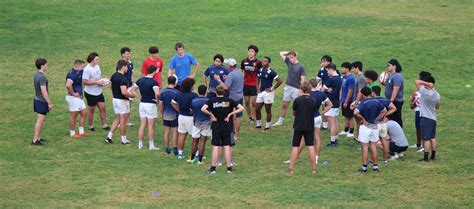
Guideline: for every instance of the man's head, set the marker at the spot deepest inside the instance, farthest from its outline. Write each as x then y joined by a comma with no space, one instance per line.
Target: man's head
220,90
376,91
366,92
153,50
150,70
314,82
357,66
41,64
218,59
331,68
79,64
179,47
325,61
266,61
93,58
370,76
122,66
252,51
202,89
346,68
423,74
429,79
125,52
172,80
394,66
293,57
231,63
188,85
305,87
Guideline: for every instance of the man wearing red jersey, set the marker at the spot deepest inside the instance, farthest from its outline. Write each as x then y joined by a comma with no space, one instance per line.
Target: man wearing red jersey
153,60
250,67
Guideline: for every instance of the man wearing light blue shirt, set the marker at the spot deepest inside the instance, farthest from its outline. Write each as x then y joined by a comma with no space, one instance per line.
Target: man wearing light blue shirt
180,64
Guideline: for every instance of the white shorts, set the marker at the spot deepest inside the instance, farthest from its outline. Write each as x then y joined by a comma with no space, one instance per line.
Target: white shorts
333,112
367,134
382,129
266,97
185,124
198,132
317,122
290,93
75,104
121,106
148,110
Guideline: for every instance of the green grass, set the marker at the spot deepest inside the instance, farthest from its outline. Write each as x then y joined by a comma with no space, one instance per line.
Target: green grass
423,35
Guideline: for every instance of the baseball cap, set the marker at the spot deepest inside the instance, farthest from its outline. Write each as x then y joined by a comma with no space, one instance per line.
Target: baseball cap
230,61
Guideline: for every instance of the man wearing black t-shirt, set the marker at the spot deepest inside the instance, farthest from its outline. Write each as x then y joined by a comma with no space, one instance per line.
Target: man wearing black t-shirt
221,110
304,108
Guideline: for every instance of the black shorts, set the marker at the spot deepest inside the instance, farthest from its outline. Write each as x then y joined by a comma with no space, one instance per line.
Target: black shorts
347,112
308,138
40,107
417,120
171,123
221,138
428,128
93,100
250,90
394,148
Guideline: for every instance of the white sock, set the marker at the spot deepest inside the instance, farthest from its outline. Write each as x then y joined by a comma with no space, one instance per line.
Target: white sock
72,132
124,138
110,135
180,152
151,143
280,119
197,153
267,125
140,143
81,130
317,157
325,124
333,138
258,123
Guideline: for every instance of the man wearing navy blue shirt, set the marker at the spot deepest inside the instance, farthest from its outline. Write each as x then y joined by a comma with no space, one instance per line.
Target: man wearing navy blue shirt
266,94
126,54
169,115
369,111
382,125
347,96
150,93
201,126
332,87
74,98
216,69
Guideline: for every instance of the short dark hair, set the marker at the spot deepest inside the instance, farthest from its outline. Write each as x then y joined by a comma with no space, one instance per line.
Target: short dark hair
178,45
121,63
292,53
305,87
371,74
219,56
366,91
346,65
153,50
171,80
331,66
187,84
202,90
40,62
376,90
398,67
151,69
357,64
92,56
423,74
268,58
220,90
326,58
255,48
79,61
125,49
429,79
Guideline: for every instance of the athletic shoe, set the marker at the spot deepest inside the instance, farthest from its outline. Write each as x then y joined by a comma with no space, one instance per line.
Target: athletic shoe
376,170
125,142
362,170
414,146
343,133
324,128
140,146
211,171
42,140
421,150
154,148
175,152
108,140
200,163
259,127
106,128
76,136
266,129
332,145
286,162
384,162
394,157
195,161
130,124
189,161
219,163
278,123
233,163
84,134
251,121
36,143
350,135
91,129
180,156
168,150
400,155
229,171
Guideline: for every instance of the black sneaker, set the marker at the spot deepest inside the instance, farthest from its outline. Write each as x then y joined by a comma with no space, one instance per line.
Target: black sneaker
42,140
211,171
266,129
423,160
108,140
259,127
106,128
332,145
91,129
36,143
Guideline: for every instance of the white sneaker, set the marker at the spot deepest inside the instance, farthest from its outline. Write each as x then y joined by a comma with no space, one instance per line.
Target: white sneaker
154,148
421,150
219,163
400,155
286,162
278,123
394,157
349,135
140,146
343,133
130,124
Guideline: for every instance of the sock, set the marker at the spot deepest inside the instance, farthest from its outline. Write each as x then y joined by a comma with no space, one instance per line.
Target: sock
267,125
180,152
200,158
375,167
229,168
124,138
346,129
351,130
168,150
280,119
140,143
364,167
72,132
325,124
81,130
175,151
213,168
418,145
110,135
433,154
192,156
333,139
258,123
317,157
425,158
151,143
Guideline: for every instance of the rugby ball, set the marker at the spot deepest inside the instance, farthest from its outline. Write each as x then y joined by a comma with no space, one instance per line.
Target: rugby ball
106,81
383,77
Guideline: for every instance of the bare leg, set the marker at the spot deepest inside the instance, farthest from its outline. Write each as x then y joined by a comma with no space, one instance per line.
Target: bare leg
258,111
182,140
384,141
365,153
228,155
39,126
317,140
248,107
115,123
293,156
215,155
312,156
175,137
253,100
123,124
194,143
141,130
268,109
284,108
103,117
72,120
202,145
151,130
373,150
166,136
82,119
237,122
90,116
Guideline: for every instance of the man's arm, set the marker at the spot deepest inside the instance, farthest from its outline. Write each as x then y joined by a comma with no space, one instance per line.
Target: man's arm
125,92
279,81
239,109
391,109
175,105
206,111
302,80
162,109
381,115
419,83
45,94
69,88
218,79
348,97
361,118
328,105
156,89
195,70
394,93
283,55
204,81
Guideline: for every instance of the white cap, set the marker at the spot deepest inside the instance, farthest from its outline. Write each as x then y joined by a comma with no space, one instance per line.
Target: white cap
230,61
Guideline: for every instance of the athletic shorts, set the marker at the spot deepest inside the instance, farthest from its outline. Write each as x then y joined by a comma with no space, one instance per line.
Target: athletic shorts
368,134
221,138
250,90
92,100
75,104
171,123
290,93
240,114
428,128
333,112
266,97
417,120
40,107
185,124
148,110
383,132
308,138
203,131
121,106
347,112
317,122
394,148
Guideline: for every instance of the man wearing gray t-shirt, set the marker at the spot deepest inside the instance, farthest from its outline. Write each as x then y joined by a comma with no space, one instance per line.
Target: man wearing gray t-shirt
357,67
394,89
42,104
429,102
296,76
398,140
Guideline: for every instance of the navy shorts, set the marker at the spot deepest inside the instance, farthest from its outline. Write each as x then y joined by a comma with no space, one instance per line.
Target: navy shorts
428,128
40,107
240,101
171,123
250,90
308,138
221,138
417,120
92,100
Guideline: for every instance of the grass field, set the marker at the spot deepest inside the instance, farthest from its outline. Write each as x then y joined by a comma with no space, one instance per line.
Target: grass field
423,35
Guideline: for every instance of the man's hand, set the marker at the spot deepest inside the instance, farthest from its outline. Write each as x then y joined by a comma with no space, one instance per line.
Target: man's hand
213,118
50,106
217,77
76,94
329,90
345,105
227,118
